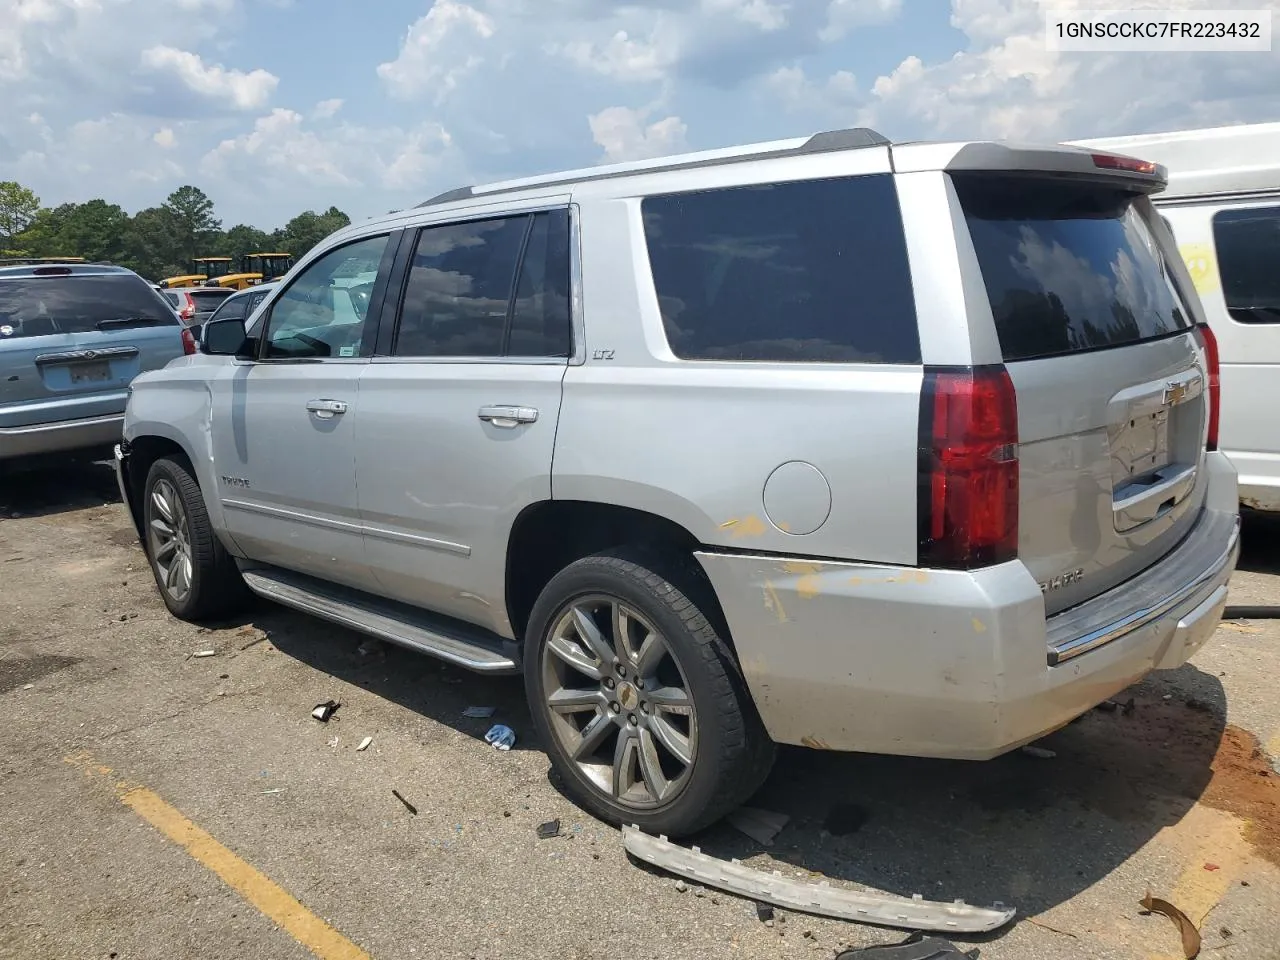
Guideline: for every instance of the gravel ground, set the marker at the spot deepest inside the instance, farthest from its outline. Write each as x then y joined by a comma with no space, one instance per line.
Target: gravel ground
100,694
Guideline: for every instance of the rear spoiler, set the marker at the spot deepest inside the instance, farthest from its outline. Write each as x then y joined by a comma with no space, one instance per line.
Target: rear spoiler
1143,175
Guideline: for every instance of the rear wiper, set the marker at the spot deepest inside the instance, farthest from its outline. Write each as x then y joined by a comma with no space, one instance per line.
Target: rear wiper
116,323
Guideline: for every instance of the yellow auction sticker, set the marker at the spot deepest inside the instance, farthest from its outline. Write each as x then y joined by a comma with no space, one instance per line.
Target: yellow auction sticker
1201,265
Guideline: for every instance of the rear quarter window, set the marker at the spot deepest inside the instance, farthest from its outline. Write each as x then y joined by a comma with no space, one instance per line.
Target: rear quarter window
1248,248
1068,266
813,271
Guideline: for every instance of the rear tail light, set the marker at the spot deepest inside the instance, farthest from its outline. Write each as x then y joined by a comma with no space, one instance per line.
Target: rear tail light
968,484
188,341
188,310
1111,161
1209,343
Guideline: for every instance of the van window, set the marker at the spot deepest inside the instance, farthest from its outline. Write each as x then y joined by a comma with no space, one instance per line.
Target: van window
1068,267
811,271
1248,246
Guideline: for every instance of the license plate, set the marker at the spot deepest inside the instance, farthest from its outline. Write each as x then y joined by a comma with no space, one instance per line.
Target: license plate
93,372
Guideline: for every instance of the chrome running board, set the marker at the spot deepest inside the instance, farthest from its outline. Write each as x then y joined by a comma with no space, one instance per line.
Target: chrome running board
459,643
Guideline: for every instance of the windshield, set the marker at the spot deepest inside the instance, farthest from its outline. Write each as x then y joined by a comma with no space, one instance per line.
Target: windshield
1068,267
43,306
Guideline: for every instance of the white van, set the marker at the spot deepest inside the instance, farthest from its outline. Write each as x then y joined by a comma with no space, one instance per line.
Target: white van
1223,206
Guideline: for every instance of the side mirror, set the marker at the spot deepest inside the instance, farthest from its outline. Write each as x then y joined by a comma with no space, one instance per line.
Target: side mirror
226,338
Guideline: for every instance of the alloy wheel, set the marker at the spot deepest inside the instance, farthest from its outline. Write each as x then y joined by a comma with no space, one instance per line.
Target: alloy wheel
619,703
169,540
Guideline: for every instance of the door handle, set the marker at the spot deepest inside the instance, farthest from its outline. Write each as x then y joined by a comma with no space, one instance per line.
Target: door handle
325,409
507,416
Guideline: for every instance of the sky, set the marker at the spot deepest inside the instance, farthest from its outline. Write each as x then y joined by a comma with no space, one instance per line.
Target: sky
277,106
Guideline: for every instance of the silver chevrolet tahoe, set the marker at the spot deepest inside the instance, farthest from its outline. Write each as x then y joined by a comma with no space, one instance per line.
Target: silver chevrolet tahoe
900,448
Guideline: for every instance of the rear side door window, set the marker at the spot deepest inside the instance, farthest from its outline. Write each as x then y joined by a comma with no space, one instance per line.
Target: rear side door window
1248,248
324,313
812,271
489,288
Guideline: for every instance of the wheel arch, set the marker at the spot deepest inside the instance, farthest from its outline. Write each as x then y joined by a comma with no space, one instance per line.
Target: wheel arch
549,535
143,449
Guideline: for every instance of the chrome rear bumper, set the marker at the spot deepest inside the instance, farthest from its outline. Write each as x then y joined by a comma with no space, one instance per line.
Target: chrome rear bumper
1196,566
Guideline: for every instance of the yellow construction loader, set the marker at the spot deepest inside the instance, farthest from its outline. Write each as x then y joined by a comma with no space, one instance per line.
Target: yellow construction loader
255,268
203,270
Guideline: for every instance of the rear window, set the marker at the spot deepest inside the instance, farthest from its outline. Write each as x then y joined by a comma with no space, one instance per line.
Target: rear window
209,299
42,306
1248,246
1068,267
812,271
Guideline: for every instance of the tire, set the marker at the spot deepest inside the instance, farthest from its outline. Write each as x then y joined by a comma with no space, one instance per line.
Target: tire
729,753
189,553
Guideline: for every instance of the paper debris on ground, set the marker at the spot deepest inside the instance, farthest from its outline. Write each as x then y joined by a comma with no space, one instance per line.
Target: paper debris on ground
201,654
323,711
364,744
762,826
882,909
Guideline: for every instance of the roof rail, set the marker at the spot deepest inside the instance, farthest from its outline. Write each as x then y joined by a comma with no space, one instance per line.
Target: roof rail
829,141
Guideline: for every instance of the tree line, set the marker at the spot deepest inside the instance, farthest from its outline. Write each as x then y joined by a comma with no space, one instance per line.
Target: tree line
156,242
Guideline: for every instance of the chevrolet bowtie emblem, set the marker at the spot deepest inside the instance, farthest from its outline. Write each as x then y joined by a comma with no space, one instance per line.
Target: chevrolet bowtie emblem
1174,393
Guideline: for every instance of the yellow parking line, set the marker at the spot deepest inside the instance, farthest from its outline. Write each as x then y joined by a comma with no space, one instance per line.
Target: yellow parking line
1213,837
270,898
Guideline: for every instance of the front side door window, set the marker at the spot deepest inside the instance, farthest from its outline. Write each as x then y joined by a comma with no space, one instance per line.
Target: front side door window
324,313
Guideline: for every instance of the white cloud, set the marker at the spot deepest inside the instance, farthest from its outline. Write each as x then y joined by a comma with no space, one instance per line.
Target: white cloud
282,148
622,57
836,95
327,108
18,18
245,91
1007,85
623,135
434,55
846,15
280,144
759,13
165,138
75,156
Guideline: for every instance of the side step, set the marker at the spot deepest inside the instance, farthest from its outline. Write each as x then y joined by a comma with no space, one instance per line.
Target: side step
461,644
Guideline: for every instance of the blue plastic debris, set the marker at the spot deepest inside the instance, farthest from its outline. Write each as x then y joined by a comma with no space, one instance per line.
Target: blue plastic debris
501,737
